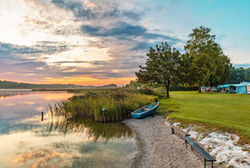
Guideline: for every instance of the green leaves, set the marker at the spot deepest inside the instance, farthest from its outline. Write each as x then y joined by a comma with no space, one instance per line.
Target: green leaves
161,67
238,75
202,64
210,65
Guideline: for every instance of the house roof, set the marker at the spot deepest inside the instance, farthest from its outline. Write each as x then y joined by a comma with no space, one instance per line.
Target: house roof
224,86
238,85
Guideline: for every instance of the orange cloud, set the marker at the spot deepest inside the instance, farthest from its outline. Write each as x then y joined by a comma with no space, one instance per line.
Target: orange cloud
41,158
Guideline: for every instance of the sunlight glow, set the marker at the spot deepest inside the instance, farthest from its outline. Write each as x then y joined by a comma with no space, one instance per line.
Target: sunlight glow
87,80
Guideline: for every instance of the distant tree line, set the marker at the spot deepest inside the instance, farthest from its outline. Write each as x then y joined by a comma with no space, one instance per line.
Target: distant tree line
238,75
202,64
16,85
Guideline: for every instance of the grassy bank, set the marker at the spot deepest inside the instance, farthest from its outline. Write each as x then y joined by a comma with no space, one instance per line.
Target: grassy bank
107,105
225,111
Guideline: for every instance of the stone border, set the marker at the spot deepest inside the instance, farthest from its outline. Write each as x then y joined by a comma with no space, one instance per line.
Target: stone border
181,134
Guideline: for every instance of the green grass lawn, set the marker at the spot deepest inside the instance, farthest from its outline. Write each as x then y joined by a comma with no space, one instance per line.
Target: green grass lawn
225,111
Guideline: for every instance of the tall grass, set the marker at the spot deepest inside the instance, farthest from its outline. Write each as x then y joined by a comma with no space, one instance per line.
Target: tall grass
103,105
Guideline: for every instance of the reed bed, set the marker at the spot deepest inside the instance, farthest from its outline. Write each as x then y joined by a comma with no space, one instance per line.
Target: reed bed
102,105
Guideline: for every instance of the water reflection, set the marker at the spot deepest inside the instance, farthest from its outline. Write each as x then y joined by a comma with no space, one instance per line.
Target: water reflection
25,141
94,130
12,93
19,106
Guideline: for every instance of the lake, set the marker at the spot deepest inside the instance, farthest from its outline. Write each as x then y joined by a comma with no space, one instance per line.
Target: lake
26,141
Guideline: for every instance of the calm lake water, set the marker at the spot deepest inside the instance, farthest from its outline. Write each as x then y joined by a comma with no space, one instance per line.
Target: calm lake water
26,141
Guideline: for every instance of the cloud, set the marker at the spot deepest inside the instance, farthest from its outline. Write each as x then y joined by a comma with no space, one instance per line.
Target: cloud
26,62
77,62
121,29
111,28
124,30
79,10
83,11
8,50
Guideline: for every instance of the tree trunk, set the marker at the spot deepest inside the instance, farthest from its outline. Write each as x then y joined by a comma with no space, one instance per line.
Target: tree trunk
167,90
199,89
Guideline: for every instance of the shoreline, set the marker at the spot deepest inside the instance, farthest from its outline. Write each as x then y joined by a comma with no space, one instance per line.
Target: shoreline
139,146
157,147
15,90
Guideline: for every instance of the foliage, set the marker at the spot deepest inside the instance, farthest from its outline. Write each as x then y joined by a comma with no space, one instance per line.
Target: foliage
133,85
238,75
187,71
209,66
225,111
103,105
144,88
146,91
161,66
202,64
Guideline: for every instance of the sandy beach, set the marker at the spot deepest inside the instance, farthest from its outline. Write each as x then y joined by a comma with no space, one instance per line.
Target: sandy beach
158,148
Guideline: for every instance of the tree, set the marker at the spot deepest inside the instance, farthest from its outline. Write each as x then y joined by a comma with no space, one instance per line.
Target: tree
248,75
186,72
210,66
238,75
161,67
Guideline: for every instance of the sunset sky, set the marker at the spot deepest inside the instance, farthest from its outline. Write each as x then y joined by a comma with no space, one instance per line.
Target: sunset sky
96,42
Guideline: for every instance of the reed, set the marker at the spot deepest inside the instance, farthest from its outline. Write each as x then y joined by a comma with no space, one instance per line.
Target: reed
102,105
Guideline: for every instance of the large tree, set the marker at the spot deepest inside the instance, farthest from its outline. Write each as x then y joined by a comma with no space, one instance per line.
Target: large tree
210,66
161,67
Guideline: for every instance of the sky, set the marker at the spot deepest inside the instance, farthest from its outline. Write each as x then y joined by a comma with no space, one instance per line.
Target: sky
98,42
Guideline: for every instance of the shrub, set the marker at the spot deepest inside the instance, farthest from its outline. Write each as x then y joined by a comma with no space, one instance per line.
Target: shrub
103,105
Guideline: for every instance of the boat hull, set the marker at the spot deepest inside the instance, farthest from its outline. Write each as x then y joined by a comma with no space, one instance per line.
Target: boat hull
140,113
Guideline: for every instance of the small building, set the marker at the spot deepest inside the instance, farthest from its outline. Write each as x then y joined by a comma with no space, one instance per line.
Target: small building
247,85
238,88
242,88
223,88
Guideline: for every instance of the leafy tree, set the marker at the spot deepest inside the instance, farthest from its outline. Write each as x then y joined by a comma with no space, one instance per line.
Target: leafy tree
186,74
248,75
209,66
161,67
238,75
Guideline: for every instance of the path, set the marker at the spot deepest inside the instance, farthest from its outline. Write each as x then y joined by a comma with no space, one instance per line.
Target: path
158,148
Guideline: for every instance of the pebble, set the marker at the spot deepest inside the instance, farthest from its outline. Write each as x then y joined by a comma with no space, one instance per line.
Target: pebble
161,149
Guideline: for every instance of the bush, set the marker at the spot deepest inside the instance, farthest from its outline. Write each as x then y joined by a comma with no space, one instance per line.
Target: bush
103,105
146,91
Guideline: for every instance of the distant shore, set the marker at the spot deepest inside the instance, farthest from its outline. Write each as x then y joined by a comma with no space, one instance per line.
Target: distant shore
53,89
15,90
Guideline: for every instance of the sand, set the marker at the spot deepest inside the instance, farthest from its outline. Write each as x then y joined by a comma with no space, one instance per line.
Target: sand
158,148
